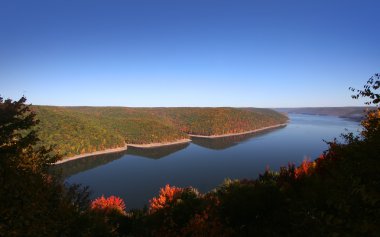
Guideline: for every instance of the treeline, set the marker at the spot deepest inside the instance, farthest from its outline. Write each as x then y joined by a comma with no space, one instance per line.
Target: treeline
78,130
218,121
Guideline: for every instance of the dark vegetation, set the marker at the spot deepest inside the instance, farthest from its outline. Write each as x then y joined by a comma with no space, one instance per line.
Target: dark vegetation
336,195
78,130
32,201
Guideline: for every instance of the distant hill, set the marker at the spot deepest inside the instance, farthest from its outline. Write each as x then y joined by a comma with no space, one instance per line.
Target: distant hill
79,130
354,113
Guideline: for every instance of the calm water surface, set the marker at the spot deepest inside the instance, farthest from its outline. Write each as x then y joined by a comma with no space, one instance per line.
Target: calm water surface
137,174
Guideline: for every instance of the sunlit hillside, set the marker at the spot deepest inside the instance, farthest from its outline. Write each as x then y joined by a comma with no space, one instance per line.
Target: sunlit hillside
78,130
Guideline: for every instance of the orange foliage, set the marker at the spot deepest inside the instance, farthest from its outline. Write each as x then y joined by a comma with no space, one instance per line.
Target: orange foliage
372,123
305,168
166,195
109,204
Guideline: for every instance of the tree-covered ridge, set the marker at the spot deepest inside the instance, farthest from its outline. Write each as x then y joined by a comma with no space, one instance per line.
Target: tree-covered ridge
79,130
218,121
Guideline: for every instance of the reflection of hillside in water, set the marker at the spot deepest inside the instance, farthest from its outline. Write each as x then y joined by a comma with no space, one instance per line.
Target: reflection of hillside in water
76,166
222,143
156,152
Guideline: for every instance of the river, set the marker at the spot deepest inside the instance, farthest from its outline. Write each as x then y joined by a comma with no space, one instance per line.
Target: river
137,174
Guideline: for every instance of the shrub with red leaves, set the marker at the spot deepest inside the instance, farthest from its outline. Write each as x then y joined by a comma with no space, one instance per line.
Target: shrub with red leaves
166,196
305,168
110,204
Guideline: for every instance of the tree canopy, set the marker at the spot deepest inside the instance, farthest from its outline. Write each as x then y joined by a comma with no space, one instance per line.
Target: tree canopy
33,202
78,130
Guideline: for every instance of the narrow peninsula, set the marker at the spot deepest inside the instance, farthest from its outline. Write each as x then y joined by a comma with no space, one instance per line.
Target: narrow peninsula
78,132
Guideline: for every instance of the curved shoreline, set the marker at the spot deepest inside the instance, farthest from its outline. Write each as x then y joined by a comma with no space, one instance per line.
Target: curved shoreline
160,144
112,150
239,133
124,148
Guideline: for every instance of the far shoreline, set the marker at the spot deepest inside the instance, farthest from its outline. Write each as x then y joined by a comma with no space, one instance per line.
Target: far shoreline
161,144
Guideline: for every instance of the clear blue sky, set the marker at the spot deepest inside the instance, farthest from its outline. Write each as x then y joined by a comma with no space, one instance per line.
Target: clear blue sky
188,52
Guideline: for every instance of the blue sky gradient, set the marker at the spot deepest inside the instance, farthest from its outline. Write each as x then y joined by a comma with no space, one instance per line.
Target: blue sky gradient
188,52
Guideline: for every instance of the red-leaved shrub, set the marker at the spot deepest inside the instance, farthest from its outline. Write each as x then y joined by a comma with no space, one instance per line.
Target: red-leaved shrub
166,195
109,204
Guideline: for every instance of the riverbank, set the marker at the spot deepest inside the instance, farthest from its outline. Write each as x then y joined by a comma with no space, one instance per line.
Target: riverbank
159,144
119,149
240,133
113,150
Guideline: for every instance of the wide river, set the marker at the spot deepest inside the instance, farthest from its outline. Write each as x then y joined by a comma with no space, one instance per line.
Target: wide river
136,175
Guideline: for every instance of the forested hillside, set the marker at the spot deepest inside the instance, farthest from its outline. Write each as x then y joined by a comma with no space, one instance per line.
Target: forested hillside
78,130
218,121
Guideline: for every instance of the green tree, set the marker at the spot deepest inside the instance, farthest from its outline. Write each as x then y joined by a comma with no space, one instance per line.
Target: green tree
18,139
32,201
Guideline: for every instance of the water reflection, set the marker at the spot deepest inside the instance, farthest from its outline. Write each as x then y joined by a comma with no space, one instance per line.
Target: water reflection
222,143
156,152
76,166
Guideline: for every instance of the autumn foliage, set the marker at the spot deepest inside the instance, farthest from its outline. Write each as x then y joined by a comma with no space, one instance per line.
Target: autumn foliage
305,168
110,204
166,195
78,130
